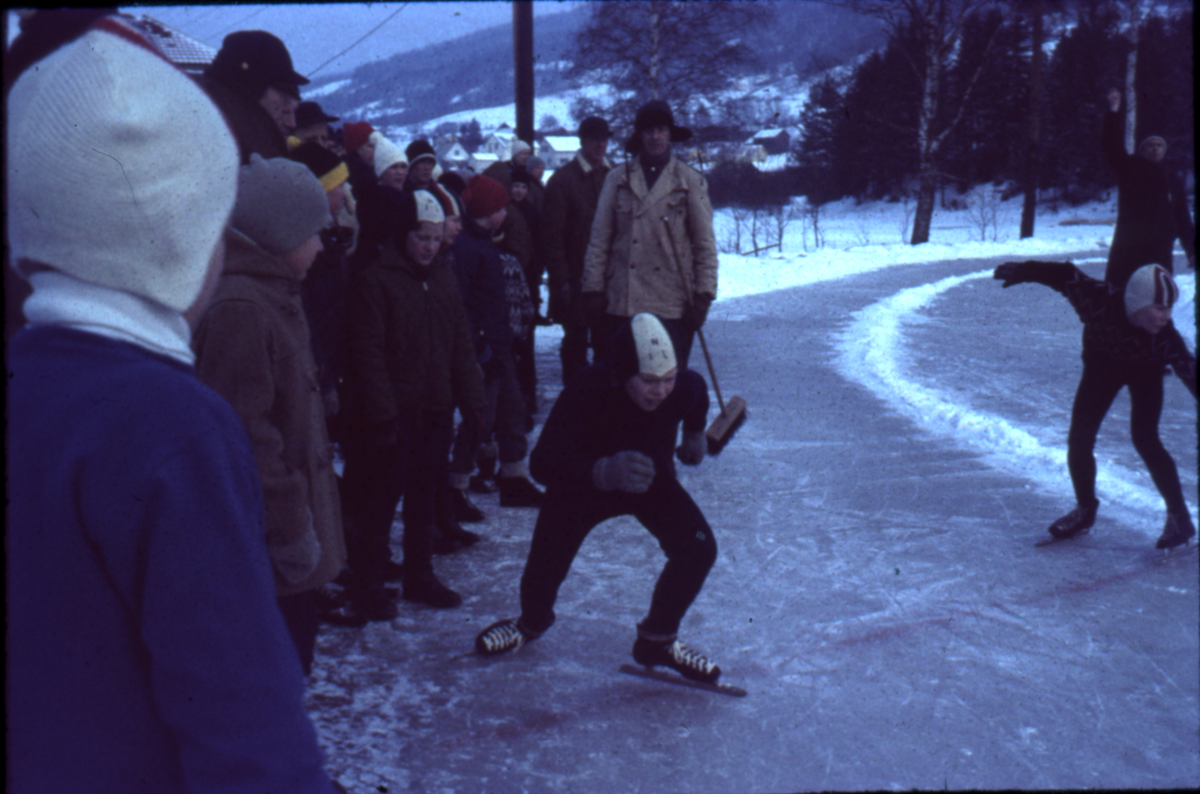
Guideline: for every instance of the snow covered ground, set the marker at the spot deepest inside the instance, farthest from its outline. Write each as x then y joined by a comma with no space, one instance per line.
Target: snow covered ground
877,591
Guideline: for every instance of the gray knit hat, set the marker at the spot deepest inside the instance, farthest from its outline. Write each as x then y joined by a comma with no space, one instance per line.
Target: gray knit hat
280,204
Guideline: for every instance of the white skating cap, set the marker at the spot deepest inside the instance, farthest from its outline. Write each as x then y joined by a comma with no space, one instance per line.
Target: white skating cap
655,352
1147,285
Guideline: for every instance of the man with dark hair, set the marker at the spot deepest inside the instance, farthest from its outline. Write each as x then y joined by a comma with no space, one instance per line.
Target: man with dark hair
1152,207
569,206
652,247
253,83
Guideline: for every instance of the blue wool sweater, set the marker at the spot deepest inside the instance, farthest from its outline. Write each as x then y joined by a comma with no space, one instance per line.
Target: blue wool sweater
145,648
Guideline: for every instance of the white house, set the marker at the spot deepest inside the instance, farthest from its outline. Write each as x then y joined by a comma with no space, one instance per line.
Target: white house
498,143
479,161
557,150
453,155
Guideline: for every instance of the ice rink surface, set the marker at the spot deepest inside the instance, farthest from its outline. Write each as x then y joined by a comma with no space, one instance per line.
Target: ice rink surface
877,590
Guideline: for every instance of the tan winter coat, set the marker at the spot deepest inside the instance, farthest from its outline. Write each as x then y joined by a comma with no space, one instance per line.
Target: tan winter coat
252,347
641,239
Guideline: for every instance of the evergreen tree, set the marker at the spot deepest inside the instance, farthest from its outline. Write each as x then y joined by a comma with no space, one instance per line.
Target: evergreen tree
471,136
988,146
815,153
1088,60
1165,87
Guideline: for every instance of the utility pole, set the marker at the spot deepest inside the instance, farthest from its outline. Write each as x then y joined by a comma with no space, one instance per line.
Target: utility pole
523,67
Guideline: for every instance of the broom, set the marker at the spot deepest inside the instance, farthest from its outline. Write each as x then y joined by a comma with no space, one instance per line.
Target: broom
733,415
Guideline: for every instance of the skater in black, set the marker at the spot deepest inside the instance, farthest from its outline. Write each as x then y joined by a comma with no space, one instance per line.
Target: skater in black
606,451
1152,205
1128,340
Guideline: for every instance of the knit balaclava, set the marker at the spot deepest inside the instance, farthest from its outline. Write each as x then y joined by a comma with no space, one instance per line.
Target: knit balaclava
643,345
1148,285
120,171
280,204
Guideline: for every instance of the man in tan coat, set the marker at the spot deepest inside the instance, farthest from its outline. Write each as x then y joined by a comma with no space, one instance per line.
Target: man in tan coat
652,247
253,348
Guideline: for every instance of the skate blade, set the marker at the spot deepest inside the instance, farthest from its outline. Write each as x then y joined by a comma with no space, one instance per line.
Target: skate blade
678,680
1180,552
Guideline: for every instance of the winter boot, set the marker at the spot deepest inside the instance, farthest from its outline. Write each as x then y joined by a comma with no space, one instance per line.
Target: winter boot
677,656
424,588
1179,530
515,488
373,602
1076,522
501,637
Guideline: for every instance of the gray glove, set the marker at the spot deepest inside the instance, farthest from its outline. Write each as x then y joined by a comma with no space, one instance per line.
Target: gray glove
297,559
628,470
692,450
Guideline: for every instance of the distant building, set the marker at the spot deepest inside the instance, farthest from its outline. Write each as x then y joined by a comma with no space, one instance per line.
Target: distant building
479,161
188,54
453,155
499,144
557,150
776,141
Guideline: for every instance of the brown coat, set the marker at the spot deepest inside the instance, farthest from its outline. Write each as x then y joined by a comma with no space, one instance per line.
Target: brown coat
252,347
572,195
652,250
410,344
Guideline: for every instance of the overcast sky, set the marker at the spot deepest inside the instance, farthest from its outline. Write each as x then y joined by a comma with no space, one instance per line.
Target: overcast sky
315,33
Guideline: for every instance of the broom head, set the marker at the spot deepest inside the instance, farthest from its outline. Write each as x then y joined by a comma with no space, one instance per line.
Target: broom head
725,425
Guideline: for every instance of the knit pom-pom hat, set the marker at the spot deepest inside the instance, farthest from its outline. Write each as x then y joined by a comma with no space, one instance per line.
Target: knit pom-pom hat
99,180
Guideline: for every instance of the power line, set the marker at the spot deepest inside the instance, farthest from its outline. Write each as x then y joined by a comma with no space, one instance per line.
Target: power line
237,25
360,41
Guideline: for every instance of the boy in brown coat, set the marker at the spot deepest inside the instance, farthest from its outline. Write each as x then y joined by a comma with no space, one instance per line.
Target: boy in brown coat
252,347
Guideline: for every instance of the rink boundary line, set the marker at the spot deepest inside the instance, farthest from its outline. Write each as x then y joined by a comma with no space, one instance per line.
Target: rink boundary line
872,352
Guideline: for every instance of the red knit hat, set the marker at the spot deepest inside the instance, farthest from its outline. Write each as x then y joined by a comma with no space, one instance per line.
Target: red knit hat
484,196
355,134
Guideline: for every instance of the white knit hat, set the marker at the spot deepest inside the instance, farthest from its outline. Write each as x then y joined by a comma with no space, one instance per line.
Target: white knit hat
120,171
652,342
387,154
1148,285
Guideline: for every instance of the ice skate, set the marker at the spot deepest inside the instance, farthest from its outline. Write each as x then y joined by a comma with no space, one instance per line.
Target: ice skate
1076,522
500,637
677,656
1177,532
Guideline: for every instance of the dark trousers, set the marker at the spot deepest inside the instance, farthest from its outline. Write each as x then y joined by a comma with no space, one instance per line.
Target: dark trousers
574,350
377,476
525,362
503,419
666,510
300,615
681,335
1098,388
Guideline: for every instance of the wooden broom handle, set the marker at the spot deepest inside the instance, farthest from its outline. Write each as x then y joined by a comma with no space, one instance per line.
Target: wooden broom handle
703,344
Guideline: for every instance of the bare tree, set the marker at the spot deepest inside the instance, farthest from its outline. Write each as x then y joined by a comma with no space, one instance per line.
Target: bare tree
936,26
664,50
